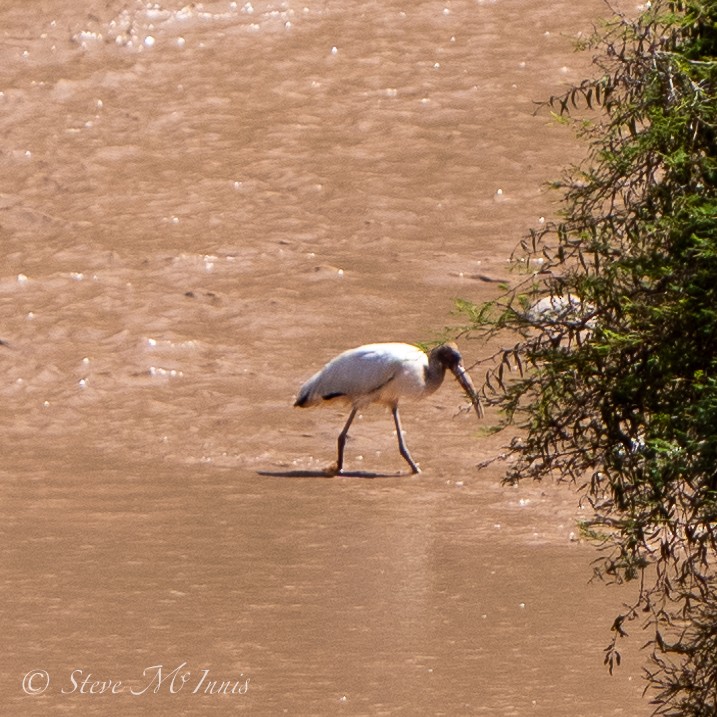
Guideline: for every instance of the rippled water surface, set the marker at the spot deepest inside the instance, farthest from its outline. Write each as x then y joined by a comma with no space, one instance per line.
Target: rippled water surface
199,206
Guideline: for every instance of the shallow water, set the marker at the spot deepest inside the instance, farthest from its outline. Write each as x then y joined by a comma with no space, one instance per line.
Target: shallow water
199,206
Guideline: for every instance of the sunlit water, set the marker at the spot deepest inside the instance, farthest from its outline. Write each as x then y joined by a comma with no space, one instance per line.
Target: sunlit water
199,206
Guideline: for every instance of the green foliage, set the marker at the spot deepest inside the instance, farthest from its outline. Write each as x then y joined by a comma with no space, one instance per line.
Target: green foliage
614,375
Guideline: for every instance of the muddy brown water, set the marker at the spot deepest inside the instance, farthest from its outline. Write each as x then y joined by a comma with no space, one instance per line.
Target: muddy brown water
199,206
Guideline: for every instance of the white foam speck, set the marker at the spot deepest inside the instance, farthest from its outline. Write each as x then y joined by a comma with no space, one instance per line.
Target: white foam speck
164,372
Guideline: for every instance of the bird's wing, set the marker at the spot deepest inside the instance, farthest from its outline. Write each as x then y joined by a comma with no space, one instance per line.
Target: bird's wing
358,374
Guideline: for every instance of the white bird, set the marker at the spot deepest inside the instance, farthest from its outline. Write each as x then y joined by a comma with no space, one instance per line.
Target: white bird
572,318
384,373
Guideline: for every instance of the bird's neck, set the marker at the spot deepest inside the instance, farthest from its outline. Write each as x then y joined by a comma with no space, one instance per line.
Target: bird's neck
435,373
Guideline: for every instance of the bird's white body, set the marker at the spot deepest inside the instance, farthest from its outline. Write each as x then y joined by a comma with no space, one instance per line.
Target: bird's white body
384,373
373,373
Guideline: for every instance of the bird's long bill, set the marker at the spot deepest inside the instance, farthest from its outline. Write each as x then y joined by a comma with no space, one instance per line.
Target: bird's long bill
465,381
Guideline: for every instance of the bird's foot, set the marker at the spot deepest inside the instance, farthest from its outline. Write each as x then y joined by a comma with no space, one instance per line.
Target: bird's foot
333,470
414,467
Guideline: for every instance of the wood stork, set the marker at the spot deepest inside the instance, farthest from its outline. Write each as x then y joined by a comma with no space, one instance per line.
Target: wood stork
384,373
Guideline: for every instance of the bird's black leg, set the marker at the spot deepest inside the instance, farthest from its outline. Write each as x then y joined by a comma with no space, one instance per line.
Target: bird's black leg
342,441
401,445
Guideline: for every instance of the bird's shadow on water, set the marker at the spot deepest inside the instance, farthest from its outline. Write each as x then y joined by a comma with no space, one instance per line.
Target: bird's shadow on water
328,474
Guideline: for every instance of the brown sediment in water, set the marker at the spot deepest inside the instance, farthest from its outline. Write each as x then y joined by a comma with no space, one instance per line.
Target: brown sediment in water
191,225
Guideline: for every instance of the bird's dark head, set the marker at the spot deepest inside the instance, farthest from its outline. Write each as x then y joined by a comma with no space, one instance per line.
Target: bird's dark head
449,357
